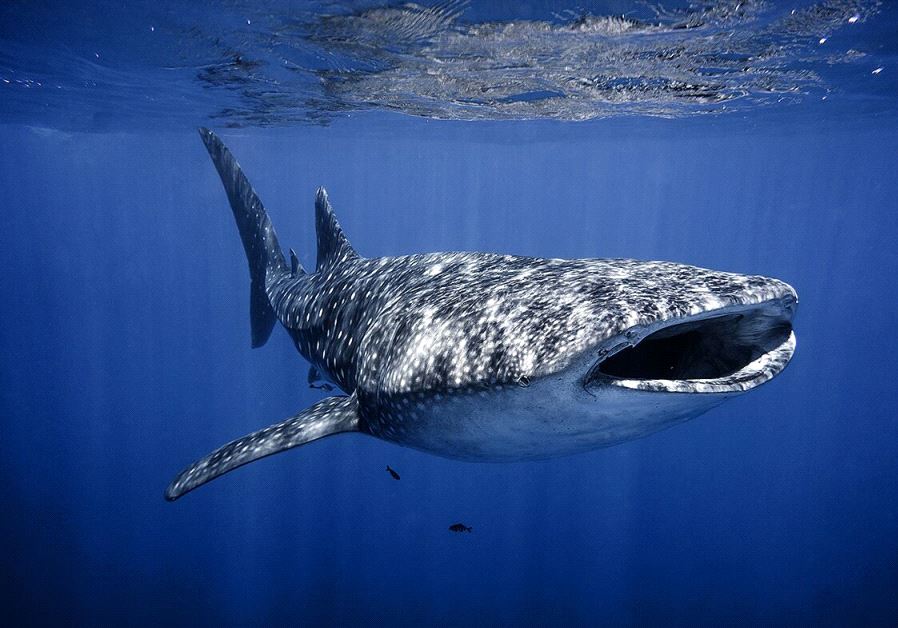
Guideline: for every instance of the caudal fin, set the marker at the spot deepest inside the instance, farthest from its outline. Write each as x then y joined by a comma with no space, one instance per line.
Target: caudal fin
266,260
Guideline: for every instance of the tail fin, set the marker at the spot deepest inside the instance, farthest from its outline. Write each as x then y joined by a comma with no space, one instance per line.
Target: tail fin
266,260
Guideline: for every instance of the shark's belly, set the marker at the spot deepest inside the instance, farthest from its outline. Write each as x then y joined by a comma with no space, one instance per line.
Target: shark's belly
541,423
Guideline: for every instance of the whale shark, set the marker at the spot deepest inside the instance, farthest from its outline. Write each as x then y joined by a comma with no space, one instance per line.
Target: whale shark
490,357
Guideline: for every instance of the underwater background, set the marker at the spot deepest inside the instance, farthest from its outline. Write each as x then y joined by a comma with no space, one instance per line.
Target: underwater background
751,137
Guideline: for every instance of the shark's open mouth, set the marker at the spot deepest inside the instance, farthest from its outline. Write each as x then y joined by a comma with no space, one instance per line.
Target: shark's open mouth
727,350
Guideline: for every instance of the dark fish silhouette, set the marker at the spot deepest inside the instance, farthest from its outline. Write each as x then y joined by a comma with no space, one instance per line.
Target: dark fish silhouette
393,473
460,527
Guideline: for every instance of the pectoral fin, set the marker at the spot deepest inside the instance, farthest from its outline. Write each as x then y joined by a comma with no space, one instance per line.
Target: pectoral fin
332,415
316,381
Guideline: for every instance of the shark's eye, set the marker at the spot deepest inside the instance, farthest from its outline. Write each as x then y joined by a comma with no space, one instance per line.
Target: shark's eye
523,381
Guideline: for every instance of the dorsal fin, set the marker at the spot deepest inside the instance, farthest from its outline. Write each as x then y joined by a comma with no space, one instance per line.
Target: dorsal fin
333,247
295,266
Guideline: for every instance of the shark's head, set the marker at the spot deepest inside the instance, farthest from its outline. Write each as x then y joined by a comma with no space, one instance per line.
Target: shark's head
707,333
662,327
564,356
650,344
730,349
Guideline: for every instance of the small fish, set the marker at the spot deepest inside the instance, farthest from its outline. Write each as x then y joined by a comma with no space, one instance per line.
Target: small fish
460,527
393,473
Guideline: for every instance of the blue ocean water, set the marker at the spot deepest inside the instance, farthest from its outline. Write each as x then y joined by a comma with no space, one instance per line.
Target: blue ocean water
124,344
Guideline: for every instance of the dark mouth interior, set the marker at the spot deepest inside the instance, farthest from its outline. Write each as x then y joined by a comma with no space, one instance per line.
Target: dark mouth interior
705,349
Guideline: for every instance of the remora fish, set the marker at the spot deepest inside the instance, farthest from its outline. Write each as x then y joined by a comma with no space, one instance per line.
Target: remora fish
486,357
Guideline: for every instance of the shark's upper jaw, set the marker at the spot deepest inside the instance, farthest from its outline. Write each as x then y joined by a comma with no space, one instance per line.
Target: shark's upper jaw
726,350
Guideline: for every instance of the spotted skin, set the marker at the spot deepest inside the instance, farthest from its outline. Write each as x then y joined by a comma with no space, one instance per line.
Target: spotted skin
329,416
442,321
480,356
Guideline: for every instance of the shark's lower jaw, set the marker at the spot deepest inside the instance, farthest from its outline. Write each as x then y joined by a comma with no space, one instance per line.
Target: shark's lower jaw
729,350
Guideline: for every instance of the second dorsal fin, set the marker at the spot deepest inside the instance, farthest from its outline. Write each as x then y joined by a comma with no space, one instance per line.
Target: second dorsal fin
333,247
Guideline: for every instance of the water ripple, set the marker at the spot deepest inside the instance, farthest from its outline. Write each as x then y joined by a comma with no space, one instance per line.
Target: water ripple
271,63
428,61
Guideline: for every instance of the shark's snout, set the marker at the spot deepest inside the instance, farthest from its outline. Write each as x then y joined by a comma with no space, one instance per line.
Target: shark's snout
727,349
